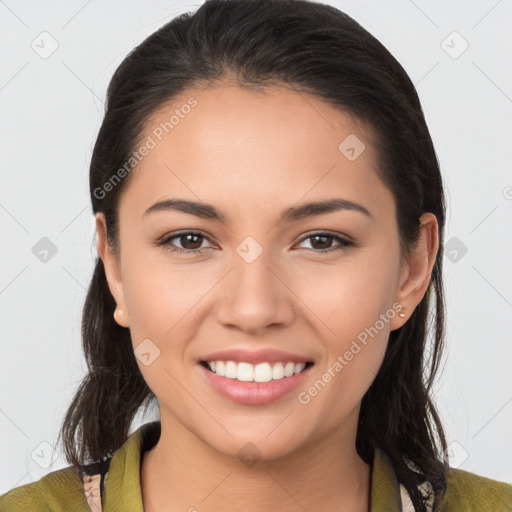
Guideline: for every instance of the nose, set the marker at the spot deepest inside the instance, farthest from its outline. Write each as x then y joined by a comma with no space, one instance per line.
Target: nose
255,296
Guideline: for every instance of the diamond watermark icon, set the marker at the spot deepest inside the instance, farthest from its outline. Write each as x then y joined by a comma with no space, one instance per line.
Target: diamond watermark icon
249,250
249,454
44,250
351,147
42,454
454,45
455,249
45,45
457,454
146,352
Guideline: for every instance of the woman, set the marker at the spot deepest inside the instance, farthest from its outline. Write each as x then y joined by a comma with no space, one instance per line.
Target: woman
270,214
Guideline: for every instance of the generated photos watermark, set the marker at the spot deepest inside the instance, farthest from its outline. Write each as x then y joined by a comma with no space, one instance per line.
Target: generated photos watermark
304,397
150,143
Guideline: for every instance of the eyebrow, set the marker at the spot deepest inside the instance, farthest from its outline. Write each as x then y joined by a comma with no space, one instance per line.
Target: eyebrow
292,214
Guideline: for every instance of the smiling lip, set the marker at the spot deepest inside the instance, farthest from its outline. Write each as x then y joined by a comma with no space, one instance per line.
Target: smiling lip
254,357
253,393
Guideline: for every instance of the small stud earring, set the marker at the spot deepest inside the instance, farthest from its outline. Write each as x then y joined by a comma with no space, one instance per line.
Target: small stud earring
401,315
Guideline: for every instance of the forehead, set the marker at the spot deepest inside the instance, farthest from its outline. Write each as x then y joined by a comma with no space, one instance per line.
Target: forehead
228,143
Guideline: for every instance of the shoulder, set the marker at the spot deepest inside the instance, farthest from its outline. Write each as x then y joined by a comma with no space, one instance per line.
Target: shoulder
468,492
57,491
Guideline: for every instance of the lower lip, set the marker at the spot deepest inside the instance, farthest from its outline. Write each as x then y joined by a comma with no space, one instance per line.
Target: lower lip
254,393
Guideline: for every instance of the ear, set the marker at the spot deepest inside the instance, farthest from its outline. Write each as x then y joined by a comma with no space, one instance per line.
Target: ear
112,270
416,271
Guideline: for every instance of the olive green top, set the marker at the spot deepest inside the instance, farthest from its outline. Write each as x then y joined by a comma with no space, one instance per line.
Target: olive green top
63,490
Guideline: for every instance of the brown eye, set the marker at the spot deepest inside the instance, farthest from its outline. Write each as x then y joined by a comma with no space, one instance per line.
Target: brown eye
190,242
322,242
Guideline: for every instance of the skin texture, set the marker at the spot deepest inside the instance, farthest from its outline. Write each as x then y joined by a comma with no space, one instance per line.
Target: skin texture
252,154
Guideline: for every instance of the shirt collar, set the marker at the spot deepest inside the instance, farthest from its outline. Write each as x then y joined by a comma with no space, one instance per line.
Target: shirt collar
123,491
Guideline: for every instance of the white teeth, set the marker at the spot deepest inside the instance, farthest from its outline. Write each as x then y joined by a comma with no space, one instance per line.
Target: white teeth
219,368
298,368
278,371
245,372
288,369
262,372
230,370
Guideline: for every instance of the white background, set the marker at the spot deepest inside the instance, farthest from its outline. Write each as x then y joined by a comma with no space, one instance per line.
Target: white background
51,111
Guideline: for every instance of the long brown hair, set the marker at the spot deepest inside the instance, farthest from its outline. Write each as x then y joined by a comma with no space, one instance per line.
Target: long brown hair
321,50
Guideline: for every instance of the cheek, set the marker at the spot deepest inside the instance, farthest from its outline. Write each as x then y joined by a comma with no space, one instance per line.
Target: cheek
354,355
350,296
158,308
353,308
166,304
157,293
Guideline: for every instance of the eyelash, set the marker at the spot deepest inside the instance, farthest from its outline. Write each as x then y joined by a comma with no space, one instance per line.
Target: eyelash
344,242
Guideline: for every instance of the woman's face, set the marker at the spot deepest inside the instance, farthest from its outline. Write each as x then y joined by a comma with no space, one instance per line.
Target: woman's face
261,281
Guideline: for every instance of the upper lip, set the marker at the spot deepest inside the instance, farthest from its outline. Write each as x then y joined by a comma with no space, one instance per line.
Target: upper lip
255,356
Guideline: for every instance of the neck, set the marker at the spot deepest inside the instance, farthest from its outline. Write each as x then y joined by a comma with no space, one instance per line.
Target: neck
181,473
